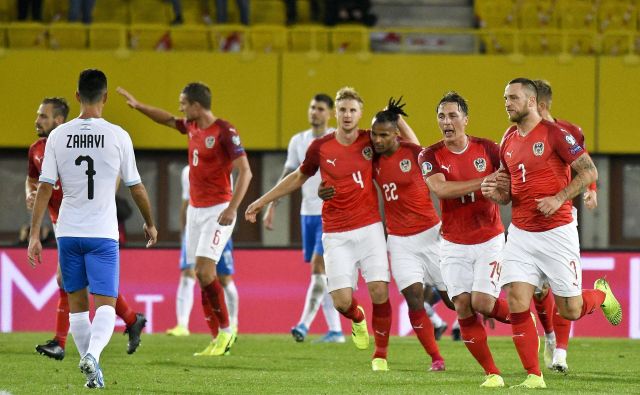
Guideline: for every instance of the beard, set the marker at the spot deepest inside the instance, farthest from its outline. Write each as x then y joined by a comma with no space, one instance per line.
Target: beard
518,116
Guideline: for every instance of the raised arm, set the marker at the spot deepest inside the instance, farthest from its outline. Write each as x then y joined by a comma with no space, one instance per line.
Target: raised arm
241,165
289,184
155,114
42,200
141,198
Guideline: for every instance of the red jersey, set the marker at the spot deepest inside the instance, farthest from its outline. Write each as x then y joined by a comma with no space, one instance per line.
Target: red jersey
408,207
211,153
539,167
576,132
470,219
349,170
36,154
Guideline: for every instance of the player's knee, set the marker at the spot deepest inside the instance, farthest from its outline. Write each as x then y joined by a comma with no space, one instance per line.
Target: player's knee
570,312
379,294
482,305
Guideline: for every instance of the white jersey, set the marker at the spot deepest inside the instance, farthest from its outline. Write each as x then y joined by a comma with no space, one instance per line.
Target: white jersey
184,181
88,155
311,203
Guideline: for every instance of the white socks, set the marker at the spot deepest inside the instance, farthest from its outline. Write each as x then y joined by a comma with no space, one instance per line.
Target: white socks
101,330
550,337
233,302
80,329
184,300
315,293
433,316
331,315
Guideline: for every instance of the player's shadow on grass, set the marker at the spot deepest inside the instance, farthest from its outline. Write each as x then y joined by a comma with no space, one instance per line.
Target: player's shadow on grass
193,367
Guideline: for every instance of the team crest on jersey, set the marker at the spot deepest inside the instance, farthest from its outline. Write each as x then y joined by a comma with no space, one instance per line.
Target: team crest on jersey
405,165
235,139
367,152
426,168
209,141
570,139
538,148
480,164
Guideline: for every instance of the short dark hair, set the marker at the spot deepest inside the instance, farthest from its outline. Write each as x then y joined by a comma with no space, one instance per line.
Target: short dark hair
544,91
92,85
197,92
527,84
386,116
323,97
454,97
60,106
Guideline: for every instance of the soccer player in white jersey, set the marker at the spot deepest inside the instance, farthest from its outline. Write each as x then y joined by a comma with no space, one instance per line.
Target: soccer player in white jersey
311,222
88,154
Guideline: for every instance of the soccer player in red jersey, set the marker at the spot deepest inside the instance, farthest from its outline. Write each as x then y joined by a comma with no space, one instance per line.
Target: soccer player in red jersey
214,151
353,235
52,112
543,240
555,327
472,231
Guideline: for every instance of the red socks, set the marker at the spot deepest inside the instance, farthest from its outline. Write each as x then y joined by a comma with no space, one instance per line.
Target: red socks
474,337
215,295
62,318
354,314
423,328
545,309
381,322
501,311
525,337
124,311
209,315
562,327
591,299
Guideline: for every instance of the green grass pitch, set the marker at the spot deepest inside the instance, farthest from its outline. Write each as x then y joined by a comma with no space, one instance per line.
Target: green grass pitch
275,364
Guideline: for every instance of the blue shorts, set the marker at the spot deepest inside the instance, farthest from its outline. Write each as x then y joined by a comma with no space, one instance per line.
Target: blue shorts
311,236
90,261
224,266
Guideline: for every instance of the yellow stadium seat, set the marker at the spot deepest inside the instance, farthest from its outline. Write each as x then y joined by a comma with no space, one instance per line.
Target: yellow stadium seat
268,12
55,10
308,38
111,11
103,36
149,11
498,41
541,41
190,38
615,43
580,42
228,37
497,14
266,38
349,38
7,10
617,16
578,14
65,35
538,15
27,35
149,37
193,11
304,11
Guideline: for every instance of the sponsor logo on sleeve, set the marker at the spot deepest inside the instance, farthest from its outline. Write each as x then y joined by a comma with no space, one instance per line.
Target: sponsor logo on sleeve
575,149
426,168
209,141
538,148
405,165
235,139
480,164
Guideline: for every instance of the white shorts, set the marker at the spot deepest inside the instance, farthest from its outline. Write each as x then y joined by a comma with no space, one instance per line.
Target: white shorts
552,256
415,259
472,267
205,236
346,252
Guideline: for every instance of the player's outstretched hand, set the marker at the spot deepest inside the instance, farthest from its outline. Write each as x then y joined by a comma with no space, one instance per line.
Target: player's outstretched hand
590,199
396,106
34,252
131,101
267,218
151,234
253,210
227,216
326,192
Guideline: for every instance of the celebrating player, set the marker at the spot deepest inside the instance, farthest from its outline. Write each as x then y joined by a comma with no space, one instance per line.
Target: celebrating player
53,112
310,218
471,252
88,155
543,241
353,234
214,151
